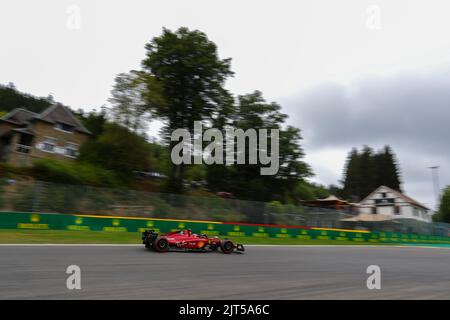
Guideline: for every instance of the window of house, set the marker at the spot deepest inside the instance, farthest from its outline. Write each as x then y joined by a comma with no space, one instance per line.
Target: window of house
374,210
48,144
383,194
64,127
23,149
25,139
71,150
397,210
24,145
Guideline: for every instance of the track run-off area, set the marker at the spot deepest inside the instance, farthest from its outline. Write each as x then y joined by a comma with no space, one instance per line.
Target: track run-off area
262,272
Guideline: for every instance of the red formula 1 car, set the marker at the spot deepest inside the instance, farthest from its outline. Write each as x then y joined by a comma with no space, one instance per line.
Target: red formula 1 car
185,240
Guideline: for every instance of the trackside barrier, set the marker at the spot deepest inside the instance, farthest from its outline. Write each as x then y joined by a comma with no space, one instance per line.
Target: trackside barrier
50,221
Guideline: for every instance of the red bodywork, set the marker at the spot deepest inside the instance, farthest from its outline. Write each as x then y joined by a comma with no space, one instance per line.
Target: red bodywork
185,239
188,240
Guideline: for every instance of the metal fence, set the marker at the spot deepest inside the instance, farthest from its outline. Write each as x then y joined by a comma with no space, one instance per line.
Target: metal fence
38,196
32,196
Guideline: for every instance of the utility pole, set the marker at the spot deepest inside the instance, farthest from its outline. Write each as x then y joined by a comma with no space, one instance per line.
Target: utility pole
435,174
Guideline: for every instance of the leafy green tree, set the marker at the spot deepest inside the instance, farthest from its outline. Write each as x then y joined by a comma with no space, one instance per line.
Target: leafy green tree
310,191
275,207
128,106
111,142
184,79
320,192
93,121
444,207
117,149
244,180
336,190
158,157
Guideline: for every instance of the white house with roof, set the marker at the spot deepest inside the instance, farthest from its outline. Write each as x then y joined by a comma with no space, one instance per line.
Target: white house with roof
385,201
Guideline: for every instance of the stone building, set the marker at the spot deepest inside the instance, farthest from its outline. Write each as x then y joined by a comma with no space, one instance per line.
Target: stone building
26,136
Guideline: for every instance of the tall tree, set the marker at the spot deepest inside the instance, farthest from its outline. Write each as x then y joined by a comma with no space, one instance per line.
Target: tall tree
386,169
128,106
184,78
366,170
245,181
390,175
352,175
444,208
94,120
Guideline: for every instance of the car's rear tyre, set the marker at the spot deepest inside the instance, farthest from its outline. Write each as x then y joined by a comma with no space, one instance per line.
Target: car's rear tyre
161,244
227,246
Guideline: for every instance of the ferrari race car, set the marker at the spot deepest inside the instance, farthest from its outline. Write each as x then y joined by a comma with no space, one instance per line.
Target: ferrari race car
185,240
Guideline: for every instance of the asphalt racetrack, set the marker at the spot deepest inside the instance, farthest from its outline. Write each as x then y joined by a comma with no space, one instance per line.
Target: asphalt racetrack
262,272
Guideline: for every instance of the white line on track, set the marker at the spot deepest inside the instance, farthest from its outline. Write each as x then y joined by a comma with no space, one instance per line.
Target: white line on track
342,245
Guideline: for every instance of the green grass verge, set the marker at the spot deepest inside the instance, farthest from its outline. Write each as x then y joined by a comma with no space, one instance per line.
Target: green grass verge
74,237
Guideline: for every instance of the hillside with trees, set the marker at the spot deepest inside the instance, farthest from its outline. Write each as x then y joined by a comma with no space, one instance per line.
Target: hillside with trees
11,98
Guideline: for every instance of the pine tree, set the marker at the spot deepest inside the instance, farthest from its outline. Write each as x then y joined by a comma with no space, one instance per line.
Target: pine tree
444,208
367,173
392,170
380,168
352,175
386,169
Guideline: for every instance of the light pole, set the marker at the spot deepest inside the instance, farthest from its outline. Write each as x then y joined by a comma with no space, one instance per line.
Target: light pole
435,174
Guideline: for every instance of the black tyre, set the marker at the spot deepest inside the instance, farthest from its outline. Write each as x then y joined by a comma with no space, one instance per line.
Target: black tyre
161,244
227,246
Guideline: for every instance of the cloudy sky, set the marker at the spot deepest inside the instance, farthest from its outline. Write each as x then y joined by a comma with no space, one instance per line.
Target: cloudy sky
348,72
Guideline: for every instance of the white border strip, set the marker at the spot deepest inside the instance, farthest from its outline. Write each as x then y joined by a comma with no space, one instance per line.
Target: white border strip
68,245
248,245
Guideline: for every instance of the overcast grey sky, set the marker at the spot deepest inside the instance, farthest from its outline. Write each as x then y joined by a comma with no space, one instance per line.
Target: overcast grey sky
348,72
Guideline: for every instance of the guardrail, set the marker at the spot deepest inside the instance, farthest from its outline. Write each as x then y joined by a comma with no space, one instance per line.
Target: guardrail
82,222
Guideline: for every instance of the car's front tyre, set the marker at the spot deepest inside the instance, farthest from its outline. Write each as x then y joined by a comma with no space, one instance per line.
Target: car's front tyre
227,246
